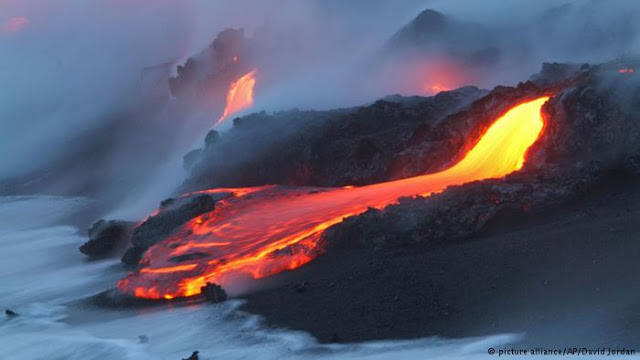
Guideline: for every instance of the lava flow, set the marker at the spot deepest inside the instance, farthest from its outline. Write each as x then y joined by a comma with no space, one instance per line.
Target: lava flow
273,229
240,95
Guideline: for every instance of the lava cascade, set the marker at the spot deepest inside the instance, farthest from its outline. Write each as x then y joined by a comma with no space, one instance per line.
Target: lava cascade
271,229
240,95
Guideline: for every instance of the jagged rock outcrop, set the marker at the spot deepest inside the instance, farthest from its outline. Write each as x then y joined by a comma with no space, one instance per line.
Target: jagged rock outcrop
210,72
214,293
105,237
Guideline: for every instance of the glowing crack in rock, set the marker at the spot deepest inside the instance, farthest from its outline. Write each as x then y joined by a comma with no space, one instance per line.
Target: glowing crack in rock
266,230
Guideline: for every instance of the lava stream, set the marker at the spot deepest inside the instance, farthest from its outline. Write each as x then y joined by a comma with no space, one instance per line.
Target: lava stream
240,95
272,229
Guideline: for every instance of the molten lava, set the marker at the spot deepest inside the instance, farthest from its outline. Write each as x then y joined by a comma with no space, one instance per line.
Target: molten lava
626,71
240,95
266,230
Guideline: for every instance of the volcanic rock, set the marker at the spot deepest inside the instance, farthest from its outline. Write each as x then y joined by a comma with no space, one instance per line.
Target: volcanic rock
107,236
172,214
194,356
553,74
214,293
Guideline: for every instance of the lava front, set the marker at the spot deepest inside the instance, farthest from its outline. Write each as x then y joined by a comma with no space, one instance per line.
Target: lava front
273,229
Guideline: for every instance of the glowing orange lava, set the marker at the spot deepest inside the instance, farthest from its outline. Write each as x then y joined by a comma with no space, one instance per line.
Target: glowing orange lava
626,71
266,230
240,95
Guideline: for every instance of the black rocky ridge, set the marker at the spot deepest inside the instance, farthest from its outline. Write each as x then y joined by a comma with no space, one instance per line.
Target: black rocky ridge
106,237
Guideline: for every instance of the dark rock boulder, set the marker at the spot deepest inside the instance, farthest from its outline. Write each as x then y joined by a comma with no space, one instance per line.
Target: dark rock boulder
105,237
214,293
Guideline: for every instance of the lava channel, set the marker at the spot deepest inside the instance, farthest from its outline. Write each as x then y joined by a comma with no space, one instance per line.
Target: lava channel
272,229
